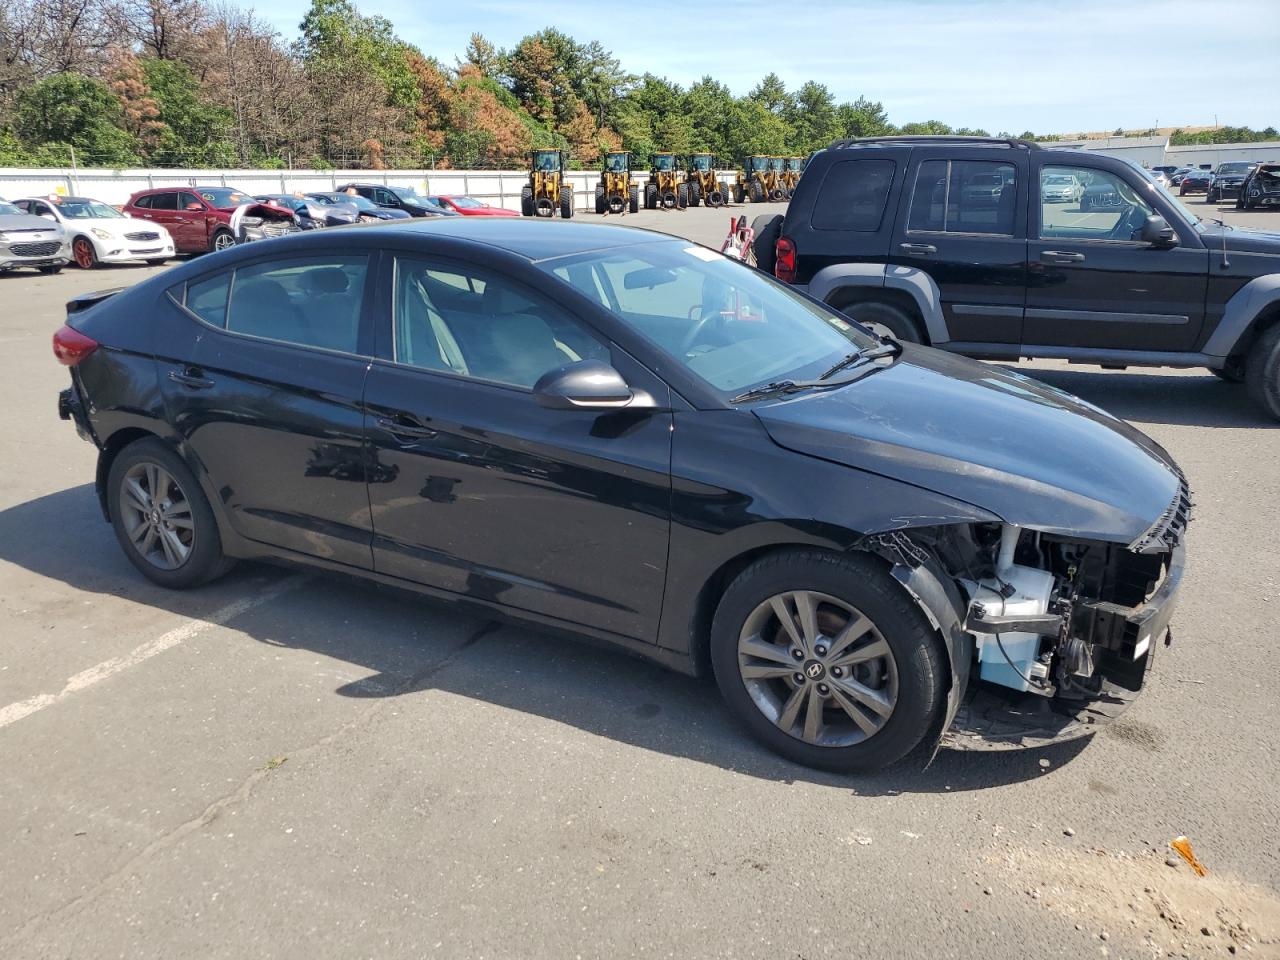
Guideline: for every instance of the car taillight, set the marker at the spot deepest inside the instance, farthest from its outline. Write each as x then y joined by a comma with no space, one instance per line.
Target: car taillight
72,346
784,263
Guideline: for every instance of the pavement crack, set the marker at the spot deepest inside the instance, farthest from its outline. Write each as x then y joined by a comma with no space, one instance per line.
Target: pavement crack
240,794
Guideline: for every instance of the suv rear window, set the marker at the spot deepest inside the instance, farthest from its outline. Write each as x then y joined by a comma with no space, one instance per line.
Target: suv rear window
853,195
963,196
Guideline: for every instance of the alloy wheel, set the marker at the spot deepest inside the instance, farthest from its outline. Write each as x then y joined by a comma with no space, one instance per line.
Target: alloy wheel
818,668
222,241
157,516
82,250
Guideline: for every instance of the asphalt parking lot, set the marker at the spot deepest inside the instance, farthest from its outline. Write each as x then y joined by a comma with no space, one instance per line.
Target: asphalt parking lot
284,764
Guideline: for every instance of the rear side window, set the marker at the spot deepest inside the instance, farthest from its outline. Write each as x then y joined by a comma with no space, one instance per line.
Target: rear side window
143,203
208,299
854,195
164,201
964,196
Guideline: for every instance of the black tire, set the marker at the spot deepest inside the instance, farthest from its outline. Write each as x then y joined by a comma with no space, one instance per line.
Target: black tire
682,196
633,200
873,313
221,239
158,262
600,202
566,205
55,268
206,560
526,202
861,581
650,197
766,229
1262,371
1233,372
755,191
695,194
739,194
1208,198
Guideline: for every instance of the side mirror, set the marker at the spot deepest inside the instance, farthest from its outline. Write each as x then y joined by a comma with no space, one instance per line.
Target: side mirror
588,385
193,207
1157,232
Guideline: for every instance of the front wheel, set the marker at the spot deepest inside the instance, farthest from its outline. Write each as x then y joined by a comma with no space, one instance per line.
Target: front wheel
633,200
566,206
221,240
1262,371
158,262
161,518
82,251
55,268
827,660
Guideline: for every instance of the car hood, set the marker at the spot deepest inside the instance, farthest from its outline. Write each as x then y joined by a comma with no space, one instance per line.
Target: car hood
27,221
1241,240
1022,450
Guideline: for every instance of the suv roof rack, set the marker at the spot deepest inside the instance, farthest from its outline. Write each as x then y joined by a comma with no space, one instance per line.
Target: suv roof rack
938,138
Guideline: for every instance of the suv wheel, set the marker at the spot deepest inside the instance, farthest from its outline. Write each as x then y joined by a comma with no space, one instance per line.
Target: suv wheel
1232,372
221,240
1262,371
884,319
827,660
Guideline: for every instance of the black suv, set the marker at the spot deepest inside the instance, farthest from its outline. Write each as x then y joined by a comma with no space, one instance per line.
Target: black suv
1227,180
908,236
398,198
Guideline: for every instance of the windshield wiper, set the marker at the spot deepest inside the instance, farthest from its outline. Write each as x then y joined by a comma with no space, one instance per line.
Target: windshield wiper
886,348
777,386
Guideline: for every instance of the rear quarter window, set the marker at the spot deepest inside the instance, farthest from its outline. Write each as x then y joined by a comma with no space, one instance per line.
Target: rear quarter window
853,195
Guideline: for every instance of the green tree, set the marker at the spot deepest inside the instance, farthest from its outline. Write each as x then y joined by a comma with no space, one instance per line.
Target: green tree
813,119
195,131
70,110
862,118
482,55
771,93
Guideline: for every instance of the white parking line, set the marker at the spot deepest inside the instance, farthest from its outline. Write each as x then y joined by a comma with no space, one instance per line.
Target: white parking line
109,668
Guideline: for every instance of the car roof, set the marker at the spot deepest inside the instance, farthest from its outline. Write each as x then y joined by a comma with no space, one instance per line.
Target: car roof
533,239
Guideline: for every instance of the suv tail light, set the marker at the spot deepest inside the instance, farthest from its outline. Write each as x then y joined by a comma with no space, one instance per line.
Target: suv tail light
72,346
784,264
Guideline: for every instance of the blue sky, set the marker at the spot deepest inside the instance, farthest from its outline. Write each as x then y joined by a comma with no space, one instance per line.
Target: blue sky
1000,64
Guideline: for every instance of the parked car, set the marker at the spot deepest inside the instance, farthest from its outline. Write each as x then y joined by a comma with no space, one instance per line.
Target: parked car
866,233
1226,181
625,436
1060,188
984,189
30,241
263,220
1166,170
398,198
365,208
471,207
99,233
1179,174
312,214
198,218
1160,177
1261,188
1195,181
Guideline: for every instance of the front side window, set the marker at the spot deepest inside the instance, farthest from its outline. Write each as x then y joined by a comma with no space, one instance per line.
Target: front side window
853,195
964,196
186,200
486,327
311,301
1106,207
731,326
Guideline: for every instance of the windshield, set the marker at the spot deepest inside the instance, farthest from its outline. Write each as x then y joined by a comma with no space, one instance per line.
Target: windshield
357,201
88,210
223,198
466,203
1235,168
730,325
547,160
758,163
616,163
664,163
1168,195
775,163
795,164
8,209
701,163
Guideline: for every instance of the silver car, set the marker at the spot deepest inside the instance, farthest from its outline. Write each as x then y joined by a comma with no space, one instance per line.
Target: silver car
1060,188
29,241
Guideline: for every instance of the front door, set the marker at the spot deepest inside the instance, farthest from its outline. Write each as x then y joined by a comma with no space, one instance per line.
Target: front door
262,376
477,489
1092,283
961,220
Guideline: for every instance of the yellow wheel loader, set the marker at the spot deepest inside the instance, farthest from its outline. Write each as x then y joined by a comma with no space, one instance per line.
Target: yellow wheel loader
666,188
703,185
615,193
547,190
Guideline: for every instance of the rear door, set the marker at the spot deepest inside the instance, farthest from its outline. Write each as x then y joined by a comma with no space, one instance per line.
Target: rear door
1092,284
477,489
163,209
962,220
263,372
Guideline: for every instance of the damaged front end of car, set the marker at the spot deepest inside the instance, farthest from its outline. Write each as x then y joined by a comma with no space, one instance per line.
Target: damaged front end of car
263,222
1049,635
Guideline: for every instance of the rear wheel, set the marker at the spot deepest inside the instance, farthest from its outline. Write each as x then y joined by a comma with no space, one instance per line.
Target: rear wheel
756,191
1262,371
600,205
695,194
884,320
161,517
566,205
766,229
682,196
55,268
650,197
526,202
633,199
83,253
1233,372
827,660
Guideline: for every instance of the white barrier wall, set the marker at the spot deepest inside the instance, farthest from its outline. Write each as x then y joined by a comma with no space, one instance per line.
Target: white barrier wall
501,188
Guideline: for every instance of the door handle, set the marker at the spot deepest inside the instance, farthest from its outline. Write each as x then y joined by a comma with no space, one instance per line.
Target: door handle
192,378
404,428
1059,256
918,247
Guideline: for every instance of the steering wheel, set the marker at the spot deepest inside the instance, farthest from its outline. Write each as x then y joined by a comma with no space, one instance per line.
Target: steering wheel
695,332
1129,224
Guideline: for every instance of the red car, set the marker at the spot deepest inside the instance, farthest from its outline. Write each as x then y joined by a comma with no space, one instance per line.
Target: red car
199,218
471,207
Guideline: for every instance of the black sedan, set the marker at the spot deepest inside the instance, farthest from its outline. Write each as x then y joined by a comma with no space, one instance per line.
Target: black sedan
366,209
1195,181
623,435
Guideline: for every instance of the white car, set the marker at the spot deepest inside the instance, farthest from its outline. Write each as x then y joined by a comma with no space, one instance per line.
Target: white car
1060,188
27,241
99,233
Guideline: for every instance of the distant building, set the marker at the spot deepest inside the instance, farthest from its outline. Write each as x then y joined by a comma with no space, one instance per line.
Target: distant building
1156,151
